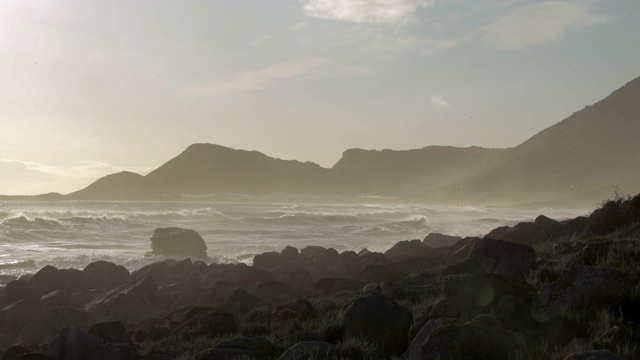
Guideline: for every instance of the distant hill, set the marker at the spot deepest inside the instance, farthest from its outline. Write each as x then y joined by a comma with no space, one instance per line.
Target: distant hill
578,161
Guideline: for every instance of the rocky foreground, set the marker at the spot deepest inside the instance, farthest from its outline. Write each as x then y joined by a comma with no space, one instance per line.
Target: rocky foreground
539,290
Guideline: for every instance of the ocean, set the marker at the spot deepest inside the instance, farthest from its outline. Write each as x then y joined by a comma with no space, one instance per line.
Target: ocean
71,234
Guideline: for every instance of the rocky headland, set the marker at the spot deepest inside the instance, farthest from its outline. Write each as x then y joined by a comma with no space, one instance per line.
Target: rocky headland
538,290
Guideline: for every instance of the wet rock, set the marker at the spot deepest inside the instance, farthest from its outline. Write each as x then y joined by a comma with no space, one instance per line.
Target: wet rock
528,233
267,261
460,251
57,297
289,253
501,257
15,317
378,320
17,290
178,242
42,330
580,287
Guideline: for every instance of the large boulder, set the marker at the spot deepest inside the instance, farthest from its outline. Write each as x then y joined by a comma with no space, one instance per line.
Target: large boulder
413,352
408,249
436,240
130,302
253,347
580,287
378,320
502,257
211,322
105,275
17,316
460,251
241,301
528,233
482,338
72,344
178,242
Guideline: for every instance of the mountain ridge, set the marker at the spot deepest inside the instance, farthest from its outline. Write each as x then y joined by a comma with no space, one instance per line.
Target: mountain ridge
579,157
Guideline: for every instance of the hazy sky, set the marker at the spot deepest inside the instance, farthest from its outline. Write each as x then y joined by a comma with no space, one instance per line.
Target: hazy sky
93,87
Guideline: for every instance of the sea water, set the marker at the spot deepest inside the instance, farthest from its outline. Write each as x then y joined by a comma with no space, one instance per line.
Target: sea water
71,234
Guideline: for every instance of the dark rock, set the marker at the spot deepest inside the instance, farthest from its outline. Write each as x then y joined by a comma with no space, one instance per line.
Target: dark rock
57,297
347,285
274,291
212,322
528,233
297,310
47,279
289,253
501,257
482,338
309,350
378,274
110,332
378,320
44,329
17,316
17,290
580,287
486,288
594,355
413,352
33,356
241,302
293,275
158,271
7,340
435,240
460,251
311,251
465,267
73,344
14,351
178,242
408,249
130,302
572,228
267,261
105,275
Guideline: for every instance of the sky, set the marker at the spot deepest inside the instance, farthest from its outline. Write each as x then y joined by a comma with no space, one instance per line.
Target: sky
89,88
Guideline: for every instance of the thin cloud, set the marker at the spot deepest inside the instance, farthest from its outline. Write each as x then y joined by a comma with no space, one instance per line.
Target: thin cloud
440,101
262,78
365,11
539,23
298,26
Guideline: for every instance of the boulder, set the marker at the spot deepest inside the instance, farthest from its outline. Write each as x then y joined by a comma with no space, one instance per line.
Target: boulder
482,338
289,253
17,290
49,279
131,302
59,298
105,275
178,242
310,350
274,291
297,310
212,322
42,330
573,228
502,257
71,344
110,332
378,320
408,249
580,287
594,355
378,274
15,317
436,240
460,251
241,301
528,233
413,352
267,261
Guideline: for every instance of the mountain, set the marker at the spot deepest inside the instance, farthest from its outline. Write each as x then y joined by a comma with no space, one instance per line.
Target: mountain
583,157
579,161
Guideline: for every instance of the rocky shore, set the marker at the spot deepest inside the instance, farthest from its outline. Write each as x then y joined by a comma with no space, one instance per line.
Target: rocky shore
539,290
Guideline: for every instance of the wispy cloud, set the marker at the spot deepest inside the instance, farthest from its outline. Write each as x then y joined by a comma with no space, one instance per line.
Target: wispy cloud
440,101
540,23
365,11
262,78
298,26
